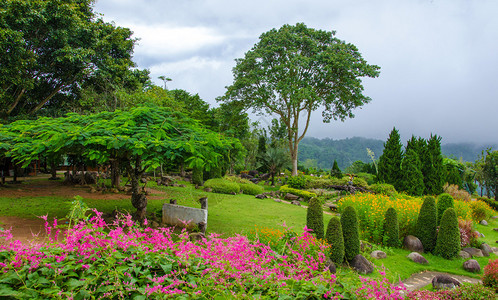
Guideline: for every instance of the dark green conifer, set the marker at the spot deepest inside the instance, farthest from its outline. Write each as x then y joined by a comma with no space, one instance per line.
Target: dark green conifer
412,180
390,160
335,172
434,176
444,201
448,239
391,228
314,217
335,239
351,234
426,228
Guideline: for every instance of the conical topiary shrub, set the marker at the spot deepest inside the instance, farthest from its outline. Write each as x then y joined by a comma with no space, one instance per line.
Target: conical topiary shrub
444,201
448,238
350,232
314,217
335,238
426,228
391,228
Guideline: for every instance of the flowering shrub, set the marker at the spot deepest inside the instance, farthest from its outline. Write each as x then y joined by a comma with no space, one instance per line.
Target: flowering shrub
371,289
480,210
468,236
456,192
463,292
490,277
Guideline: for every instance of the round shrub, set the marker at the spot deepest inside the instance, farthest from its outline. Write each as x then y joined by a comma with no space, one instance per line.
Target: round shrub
314,217
490,277
383,188
349,222
197,176
251,188
297,182
444,201
480,210
222,186
336,240
448,238
391,228
426,228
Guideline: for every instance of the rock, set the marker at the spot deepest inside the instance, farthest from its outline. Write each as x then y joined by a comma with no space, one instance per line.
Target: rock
246,176
484,222
330,266
378,254
278,200
412,243
495,229
494,217
472,265
464,254
474,252
295,202
196,236
254,180
486,249
361,264
209,190
261,196
418,258
495,249
333,207
291,197
444,282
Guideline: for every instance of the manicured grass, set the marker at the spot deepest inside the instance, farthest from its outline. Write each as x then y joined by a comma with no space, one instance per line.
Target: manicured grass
490,236
32,207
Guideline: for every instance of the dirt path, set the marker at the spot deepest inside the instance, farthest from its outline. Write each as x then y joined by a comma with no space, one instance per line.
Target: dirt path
24,230
419,280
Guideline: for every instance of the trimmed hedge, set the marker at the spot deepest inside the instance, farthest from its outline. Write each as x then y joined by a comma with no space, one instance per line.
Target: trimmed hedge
303,194
321,183
448,238
391,229
297,182
251,188
426,229
222,186
444,201
197,176
351,234
335,239
314,217
383,188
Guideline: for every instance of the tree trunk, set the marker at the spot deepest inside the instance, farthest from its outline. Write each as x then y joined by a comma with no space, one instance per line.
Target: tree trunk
294,161
138,198
14,179
182,169
115,176
53,170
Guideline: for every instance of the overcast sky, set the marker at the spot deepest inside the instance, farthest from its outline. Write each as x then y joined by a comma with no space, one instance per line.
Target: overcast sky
438,59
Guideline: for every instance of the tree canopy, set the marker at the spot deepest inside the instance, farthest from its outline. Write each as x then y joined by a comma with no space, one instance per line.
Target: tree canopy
296,70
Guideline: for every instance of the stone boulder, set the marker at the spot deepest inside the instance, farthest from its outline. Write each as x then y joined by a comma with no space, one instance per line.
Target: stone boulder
472,265
291,197
295,202
377,254
444,282
495,229
486,249
464,254
261,196
418,258
196,236
484,222
474,252
330,266
361,264
412,243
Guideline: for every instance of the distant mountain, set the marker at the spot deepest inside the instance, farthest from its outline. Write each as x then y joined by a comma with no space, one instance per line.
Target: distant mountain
349,150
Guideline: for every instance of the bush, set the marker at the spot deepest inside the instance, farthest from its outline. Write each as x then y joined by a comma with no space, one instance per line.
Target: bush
197,176
322,183
349,223
383,188
463,292
237,179
444,201
314,217
426,224
297,182
391,228
303,194
222,186
335,239
455,192
490,277
468,236
480,211
491,202
251,188
448,238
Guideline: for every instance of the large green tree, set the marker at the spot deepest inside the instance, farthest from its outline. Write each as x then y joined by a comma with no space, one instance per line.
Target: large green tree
390,161
490,171
434,174
295,70
412,180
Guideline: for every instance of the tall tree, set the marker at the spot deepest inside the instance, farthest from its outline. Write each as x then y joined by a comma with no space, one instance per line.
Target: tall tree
412,180
296,70
490,170
434,175
390,160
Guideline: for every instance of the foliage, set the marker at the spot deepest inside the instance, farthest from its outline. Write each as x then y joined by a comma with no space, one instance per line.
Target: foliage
490,277
350,230
391,229
303,194
492,203
371,289
78,211
297,182
197,176
323,183
335,239
251,188
372,208
222,186
463,292
274,160
314,217
412,180
448,238
383,188
468,236
453,172
480,211
456,192
296,69
433,167
335,171
390,161
426,229
490,171
444,201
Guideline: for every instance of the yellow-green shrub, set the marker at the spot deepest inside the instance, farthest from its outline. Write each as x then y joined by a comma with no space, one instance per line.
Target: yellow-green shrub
303,194
480,210
251,188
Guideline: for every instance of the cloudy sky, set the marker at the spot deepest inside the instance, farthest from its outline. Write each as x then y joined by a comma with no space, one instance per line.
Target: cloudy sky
438,58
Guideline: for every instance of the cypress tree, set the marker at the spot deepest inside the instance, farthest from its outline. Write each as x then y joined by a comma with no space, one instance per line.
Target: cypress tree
314,217
391,228
448,238
336,172
452,175
435,172
390,160
335,238
444,201
351,234
426,228
412,180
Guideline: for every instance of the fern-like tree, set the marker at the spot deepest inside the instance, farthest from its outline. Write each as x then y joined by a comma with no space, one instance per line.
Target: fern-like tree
448,239
335,239
412,180
351,233
444,201
335,172
426,228
390,160
314,217
391,228
274,160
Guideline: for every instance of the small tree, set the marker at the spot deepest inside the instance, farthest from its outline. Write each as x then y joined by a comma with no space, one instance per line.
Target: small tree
426,228
448,238
391,228
335,239
490,171
335,172
412,180
390,161
434,175
314,217
351,234
444,201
